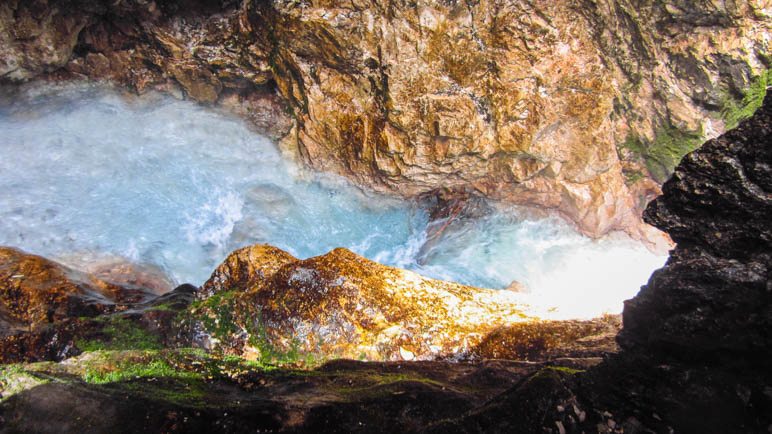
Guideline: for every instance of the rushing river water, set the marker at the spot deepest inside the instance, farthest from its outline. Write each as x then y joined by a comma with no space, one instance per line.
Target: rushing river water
85,170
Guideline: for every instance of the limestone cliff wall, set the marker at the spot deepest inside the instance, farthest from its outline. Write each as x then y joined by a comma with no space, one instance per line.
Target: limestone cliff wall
558,104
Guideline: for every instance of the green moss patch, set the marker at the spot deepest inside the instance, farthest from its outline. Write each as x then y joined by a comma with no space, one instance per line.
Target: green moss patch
15,379
232,322
127,370
735,110
119,333
218,314
663,154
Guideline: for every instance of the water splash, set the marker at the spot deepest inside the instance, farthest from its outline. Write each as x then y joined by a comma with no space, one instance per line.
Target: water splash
172,184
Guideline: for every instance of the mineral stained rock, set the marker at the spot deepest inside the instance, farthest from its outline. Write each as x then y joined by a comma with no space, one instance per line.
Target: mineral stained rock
35,290
261,302
545,340
50,312
568,104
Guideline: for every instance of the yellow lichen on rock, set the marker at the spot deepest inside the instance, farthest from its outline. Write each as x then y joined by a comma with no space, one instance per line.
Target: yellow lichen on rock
343,305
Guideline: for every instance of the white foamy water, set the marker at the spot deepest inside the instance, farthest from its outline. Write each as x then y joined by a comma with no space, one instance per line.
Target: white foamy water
84,170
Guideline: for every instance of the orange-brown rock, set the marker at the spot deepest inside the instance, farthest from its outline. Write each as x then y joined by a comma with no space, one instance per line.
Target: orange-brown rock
547,340
50,312
267,304
40,303
121,271
522,101
37,37
527,102
34,290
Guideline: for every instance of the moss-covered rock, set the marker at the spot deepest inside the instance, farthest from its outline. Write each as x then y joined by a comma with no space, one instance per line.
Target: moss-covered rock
269,306
51,312
188,390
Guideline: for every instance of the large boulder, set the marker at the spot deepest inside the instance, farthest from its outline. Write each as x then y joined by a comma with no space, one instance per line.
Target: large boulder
696,343
712,299
262,302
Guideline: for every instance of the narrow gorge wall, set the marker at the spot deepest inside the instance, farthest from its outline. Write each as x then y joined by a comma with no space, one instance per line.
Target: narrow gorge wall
580,106
696,341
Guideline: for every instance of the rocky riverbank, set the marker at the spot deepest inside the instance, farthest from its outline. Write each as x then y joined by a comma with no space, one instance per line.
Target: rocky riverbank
579,106
693,354
253,348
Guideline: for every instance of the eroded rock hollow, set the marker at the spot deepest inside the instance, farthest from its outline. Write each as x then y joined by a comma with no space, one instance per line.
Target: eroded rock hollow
579,106
584,107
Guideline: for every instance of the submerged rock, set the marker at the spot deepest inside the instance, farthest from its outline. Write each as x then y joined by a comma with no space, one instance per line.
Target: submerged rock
261,302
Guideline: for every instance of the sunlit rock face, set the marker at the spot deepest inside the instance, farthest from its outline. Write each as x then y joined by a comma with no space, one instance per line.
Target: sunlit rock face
263,303
524,102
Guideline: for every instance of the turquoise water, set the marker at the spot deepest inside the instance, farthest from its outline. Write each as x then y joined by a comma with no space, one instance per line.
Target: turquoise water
86,170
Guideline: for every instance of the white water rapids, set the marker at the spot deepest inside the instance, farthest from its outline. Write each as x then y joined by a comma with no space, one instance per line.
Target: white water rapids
85,170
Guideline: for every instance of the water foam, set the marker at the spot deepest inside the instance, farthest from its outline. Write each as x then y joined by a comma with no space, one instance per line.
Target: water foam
172,184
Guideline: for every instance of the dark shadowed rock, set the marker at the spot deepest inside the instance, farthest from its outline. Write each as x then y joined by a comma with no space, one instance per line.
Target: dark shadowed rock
711,302
696,344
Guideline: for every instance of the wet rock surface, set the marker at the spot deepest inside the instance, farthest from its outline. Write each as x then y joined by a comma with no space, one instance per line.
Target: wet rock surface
50,312
36,291
129,366
266,303
695,345
570,105
548,340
